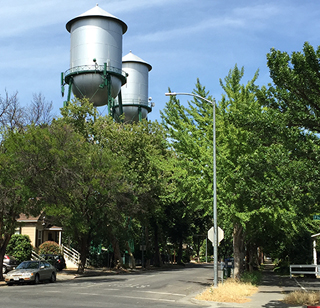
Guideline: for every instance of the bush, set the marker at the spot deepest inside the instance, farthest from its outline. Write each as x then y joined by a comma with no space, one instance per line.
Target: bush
302,298
282,267
100,259
19,247
251,277
49,247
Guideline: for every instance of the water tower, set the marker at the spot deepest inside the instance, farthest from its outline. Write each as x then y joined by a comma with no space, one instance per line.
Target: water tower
135,101
95,57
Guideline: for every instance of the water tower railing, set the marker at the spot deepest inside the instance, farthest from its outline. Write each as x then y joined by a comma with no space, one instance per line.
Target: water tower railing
95,68
134,102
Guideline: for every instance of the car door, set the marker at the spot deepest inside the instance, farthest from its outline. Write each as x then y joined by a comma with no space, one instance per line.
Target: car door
45,272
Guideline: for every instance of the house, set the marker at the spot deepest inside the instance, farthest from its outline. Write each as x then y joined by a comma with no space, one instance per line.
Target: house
38,229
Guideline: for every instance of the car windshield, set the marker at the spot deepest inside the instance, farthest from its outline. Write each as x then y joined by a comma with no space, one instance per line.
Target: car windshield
26,265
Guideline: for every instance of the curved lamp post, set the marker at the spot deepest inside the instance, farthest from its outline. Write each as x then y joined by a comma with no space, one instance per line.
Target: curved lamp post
215,223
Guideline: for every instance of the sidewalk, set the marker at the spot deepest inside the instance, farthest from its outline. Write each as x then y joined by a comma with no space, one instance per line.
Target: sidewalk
271,292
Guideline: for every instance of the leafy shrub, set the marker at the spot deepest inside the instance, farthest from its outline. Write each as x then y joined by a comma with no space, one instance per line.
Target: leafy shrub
19,247
282,267
99,259
253,278
49,247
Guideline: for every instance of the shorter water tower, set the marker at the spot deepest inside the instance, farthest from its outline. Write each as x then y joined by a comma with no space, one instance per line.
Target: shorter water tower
135,101
95,57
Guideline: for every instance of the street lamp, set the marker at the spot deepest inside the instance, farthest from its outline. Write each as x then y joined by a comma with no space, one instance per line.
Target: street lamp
215,223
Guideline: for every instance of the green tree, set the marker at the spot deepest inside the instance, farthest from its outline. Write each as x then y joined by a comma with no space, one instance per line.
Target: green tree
19,183
296,87
85,205
32,172
264,185
260,183
190,132
145,157
295,96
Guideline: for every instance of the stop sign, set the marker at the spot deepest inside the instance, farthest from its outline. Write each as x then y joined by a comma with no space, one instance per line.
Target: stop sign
211,235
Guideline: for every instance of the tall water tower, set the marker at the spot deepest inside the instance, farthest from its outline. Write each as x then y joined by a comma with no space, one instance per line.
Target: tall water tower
95,57
135,101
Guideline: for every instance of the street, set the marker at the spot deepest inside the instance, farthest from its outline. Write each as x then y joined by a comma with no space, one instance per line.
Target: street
164,288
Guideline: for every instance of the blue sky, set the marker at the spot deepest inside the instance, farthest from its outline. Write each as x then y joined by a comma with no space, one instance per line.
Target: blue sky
182,39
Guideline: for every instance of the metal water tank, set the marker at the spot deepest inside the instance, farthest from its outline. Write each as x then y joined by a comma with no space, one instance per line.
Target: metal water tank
96,56
135,100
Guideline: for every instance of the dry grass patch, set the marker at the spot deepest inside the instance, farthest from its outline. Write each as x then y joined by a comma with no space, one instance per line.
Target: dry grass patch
302,298
232,291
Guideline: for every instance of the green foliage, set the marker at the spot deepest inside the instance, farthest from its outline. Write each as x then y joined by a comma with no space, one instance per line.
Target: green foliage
189,200
251,277
19,247
119,172
49,247
296,92
294,98
265,180
100,259
204,250
282,267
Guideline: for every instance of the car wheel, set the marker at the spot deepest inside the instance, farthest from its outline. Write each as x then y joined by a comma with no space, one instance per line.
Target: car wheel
4,269
53,277
36,279
9,284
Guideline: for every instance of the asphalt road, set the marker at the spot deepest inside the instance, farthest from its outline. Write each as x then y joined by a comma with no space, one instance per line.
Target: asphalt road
165,288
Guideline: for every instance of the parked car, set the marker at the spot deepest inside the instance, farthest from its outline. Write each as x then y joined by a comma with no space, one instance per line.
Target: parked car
9,263
32,271
57,261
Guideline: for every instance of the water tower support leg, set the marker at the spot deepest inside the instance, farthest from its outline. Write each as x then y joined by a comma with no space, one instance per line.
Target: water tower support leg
140,114
120,103
69,91
62,84
108,78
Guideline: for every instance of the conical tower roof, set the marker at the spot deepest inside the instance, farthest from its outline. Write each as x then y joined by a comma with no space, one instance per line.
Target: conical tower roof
96,12
130,57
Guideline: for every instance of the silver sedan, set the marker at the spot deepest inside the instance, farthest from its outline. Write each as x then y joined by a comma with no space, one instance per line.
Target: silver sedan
32,271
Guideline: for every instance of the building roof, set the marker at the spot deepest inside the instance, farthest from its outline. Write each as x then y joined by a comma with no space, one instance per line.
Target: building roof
28,218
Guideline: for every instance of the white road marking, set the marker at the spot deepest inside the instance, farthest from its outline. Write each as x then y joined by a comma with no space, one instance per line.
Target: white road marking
145,298
163,293
304,289
131,297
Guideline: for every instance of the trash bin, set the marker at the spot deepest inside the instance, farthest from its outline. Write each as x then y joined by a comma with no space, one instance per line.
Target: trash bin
228,265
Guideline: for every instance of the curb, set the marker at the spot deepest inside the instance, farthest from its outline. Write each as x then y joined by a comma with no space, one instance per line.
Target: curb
61,277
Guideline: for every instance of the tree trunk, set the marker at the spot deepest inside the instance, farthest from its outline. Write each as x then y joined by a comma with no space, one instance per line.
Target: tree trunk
238,249
179,254
132,260
117,254
84,247
157,256
260,256
147,260
3,246
252,257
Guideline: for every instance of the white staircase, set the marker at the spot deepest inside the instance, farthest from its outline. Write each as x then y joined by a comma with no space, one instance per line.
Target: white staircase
71,256
35,256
